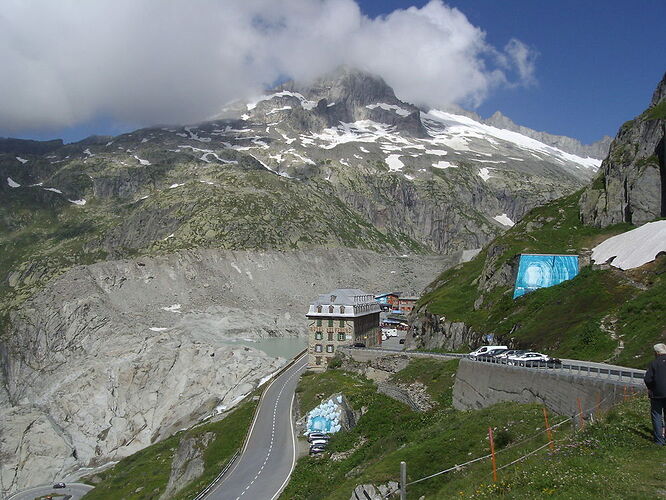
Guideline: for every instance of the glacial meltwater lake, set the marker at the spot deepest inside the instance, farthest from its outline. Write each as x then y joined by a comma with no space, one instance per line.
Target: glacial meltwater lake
278,347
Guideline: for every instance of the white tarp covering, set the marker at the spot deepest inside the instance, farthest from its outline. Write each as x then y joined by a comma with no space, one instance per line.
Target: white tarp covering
633,248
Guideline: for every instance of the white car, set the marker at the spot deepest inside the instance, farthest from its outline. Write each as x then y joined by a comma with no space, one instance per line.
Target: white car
529,358
486,349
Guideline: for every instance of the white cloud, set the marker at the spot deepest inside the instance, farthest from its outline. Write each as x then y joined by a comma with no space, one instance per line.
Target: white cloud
150,61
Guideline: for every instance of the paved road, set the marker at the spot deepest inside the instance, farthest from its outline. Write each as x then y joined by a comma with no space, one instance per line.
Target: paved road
266,463
76,490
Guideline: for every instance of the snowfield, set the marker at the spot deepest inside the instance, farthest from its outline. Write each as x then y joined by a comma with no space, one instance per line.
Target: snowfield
633,248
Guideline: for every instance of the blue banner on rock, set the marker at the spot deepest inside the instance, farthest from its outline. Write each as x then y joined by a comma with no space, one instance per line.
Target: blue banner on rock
542,271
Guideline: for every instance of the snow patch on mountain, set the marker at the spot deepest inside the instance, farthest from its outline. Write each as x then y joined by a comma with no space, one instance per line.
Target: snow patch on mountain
389,107
484,173
444,165
633,248
504,220
12,183
394,163
305,104
142,162
22,160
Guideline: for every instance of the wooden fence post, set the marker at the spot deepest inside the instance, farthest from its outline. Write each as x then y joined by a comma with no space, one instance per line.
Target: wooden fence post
492,453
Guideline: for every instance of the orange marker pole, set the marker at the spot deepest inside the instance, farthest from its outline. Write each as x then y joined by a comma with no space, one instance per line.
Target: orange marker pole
550,434
492,453
624,393
580,414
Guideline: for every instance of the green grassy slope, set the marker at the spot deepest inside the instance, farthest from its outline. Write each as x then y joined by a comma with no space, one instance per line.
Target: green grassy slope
613,457
145,474
583,318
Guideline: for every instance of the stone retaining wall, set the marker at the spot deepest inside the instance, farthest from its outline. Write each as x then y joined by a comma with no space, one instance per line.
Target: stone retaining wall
479,385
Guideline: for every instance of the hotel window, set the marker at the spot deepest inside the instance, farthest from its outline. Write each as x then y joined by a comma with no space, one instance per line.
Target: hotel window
330,309
342,309
318,360
319,335
330,336
317,347
318,322
342,322
329,348
341,336
318,309
330,322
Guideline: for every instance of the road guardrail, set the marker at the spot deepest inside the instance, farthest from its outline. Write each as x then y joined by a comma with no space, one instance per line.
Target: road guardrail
618,373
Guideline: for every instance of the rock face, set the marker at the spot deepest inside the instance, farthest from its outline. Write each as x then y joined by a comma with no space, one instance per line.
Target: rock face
631,186
187,463
372,492
430,331
113,356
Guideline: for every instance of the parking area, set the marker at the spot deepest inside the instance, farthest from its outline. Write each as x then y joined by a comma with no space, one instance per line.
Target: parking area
394,342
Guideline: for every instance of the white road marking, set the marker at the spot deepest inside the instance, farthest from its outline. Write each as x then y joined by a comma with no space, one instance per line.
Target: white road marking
270,448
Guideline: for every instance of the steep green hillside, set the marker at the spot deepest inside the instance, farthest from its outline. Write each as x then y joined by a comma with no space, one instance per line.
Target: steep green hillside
613,458
589,317
145,475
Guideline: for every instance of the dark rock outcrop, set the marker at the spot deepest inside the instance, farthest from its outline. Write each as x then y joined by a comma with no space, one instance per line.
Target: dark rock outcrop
631,186
431,331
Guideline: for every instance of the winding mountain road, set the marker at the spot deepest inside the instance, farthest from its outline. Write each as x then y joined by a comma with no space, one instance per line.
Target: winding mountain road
266,462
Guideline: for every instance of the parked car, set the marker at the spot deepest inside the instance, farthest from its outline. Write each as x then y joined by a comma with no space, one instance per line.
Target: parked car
533,359
319,442
494,353
510,352
359,344
490,354
314,449
317,435
60,485
484,350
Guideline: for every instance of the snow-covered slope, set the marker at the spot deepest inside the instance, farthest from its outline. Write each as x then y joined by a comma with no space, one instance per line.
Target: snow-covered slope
633,248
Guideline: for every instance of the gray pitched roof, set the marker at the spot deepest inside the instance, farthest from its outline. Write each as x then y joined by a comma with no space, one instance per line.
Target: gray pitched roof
342,296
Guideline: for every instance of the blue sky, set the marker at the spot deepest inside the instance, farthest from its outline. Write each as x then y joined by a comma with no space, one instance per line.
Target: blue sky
597,65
